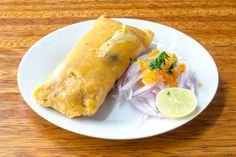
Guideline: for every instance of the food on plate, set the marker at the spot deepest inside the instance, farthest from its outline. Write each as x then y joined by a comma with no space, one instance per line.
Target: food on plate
81,82
176,102
150,74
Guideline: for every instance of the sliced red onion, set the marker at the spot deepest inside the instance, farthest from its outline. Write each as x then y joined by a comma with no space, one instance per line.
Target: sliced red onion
132,82
151,101
133,69
143,89
187,79
130,94
120,82
143,107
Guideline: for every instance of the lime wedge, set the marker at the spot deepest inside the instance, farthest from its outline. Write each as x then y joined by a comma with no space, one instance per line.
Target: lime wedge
176,102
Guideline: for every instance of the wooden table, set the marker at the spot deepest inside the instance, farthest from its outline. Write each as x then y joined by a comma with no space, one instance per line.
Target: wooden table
24,133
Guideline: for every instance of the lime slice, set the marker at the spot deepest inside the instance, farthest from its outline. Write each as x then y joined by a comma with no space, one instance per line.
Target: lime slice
176,102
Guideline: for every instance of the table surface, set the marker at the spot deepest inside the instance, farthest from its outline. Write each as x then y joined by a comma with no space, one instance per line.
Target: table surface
24,133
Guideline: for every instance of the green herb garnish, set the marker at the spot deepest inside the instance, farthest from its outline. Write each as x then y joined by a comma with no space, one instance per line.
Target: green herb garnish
132,60
168,93
171,67
159,62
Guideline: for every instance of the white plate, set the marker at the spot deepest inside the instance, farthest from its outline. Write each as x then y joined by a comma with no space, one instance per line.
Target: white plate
111,121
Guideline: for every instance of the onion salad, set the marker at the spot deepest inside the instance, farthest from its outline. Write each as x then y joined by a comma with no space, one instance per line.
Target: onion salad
149,74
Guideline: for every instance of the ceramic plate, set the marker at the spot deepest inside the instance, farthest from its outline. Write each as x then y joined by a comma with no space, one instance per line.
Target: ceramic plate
112,121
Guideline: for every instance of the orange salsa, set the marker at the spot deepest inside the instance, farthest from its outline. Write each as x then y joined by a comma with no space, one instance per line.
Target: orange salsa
165,71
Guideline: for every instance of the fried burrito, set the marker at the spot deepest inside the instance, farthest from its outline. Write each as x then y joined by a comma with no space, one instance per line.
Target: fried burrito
80,83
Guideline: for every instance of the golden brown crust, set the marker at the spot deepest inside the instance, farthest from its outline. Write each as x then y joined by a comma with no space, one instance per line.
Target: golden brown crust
80,84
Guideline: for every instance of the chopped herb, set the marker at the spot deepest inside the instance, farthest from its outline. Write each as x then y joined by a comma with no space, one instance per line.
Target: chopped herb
132,60
168,93
169,72
171,67
159,62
